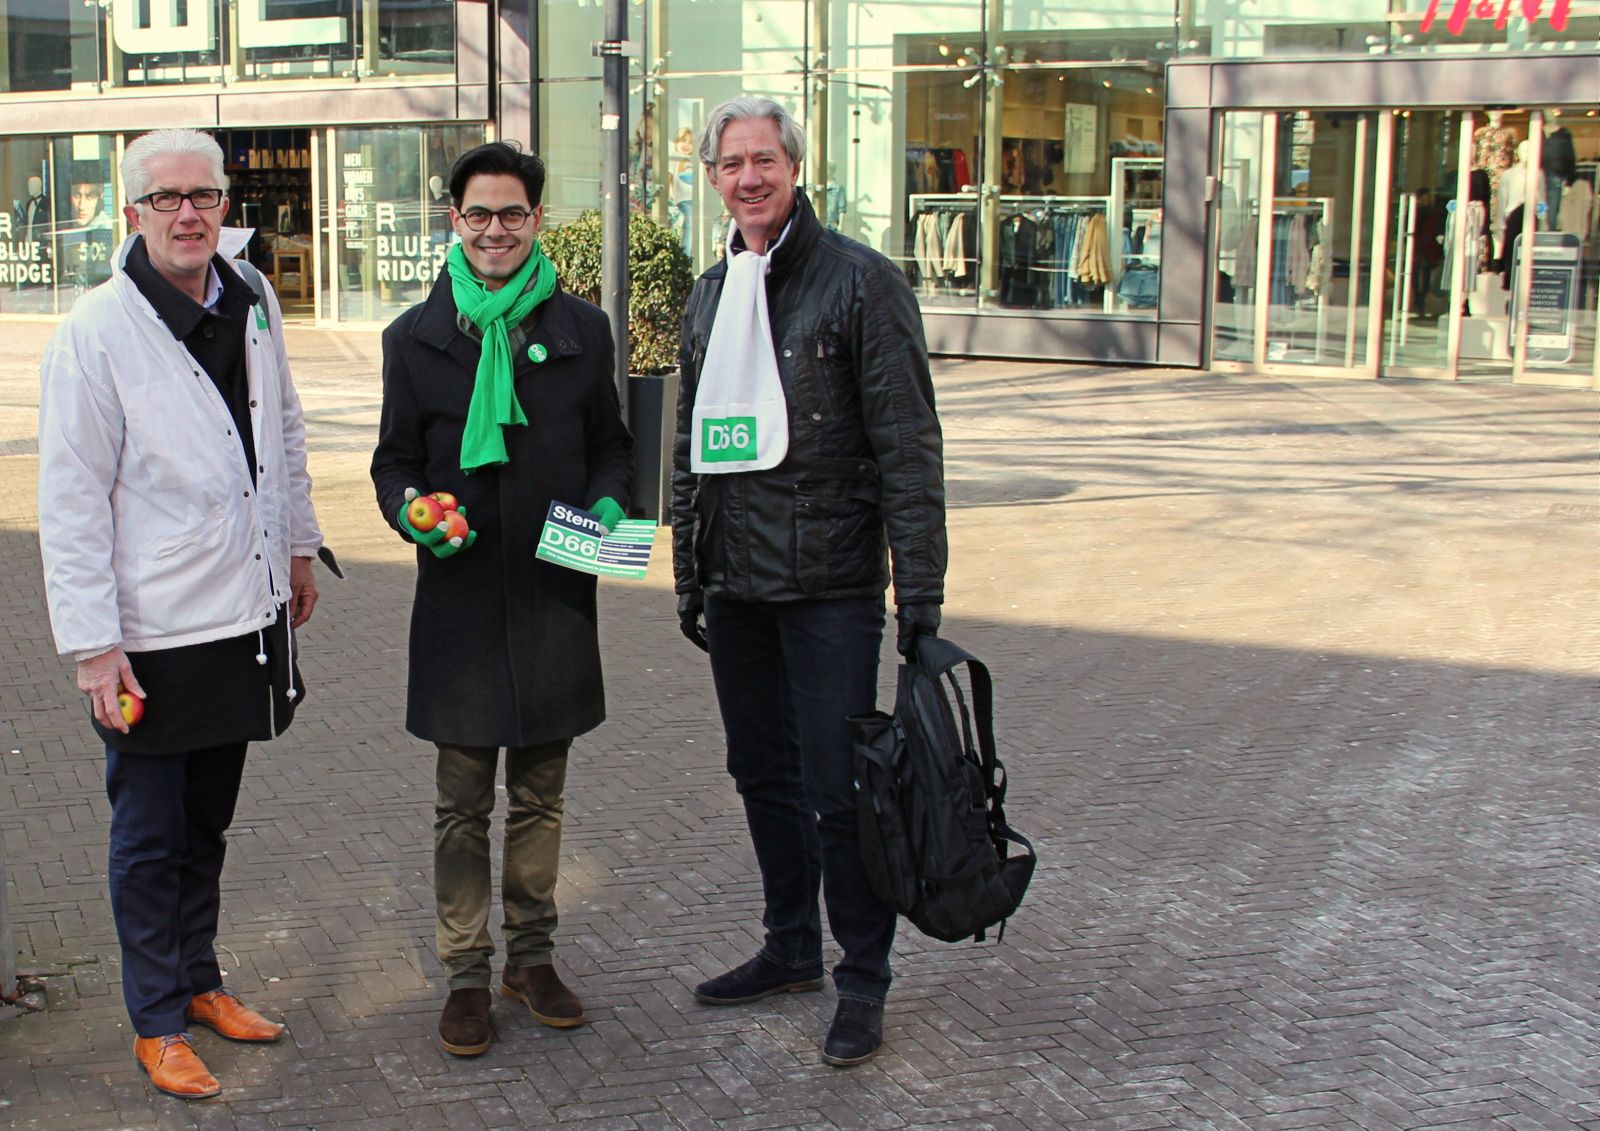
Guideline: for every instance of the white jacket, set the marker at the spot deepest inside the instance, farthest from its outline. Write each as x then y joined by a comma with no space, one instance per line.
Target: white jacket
152,533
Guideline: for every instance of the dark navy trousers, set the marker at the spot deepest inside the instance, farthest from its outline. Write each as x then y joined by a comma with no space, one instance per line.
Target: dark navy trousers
788,674
169,814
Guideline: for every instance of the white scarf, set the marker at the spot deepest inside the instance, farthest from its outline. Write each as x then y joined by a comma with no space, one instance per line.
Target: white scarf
741,419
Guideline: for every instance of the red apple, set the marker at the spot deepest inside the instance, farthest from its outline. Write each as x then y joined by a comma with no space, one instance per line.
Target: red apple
424,513
131,706
446,500
455,527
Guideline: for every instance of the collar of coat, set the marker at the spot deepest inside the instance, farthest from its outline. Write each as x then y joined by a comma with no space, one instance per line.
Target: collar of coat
549,324
795,248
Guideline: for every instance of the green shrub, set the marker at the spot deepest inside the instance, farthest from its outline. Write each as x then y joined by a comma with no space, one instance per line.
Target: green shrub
660,277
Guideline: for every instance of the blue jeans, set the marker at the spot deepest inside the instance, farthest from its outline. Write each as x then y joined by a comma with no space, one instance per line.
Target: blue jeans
169,817
788,674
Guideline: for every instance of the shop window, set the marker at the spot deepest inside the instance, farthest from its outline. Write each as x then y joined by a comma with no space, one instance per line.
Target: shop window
1080,176
62,226
52,45
392,215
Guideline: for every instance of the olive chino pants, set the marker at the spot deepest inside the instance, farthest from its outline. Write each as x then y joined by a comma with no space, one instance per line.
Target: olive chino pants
465,778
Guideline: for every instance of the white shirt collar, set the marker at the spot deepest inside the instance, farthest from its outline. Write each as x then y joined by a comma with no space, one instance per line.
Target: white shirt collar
213,287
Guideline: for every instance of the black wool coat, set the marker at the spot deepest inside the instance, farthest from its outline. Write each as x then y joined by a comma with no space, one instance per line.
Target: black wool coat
504,648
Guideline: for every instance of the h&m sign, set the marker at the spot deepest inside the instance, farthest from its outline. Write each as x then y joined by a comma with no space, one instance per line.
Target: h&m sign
1497,10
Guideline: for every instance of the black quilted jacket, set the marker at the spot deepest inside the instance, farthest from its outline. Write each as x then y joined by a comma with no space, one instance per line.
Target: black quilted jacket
864,473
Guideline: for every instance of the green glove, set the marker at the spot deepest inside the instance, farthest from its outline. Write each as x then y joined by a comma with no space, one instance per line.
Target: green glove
608,511
434,539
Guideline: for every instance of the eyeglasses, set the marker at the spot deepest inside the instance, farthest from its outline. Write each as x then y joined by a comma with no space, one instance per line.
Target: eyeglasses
202,199
511,219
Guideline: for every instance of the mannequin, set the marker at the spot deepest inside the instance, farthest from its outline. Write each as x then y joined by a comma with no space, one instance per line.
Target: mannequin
439,229
1494,146
682,170
33,211
1475,218
1494,150
1513,187
1559,160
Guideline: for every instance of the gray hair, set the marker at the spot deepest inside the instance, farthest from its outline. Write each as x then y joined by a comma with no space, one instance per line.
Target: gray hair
745,107
158,143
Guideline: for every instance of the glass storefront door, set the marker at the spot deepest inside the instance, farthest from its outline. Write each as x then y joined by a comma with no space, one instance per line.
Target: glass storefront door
1293,239
1314,273
1424,244
1484,263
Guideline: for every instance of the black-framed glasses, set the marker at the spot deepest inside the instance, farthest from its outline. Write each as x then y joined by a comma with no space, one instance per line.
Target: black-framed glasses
201,198
511,219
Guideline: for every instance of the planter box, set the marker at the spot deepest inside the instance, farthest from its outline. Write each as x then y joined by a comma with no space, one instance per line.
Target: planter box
652,412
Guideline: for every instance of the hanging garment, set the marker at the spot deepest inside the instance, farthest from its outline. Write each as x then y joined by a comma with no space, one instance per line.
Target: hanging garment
1297,252
955,250
963,177
1017,243
1244,270
1093,265
1314,280
927,257
1473,221
1577,209
1509,234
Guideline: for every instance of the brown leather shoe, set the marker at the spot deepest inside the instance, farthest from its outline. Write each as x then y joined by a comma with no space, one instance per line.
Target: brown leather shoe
174,1067
547,997
464,1024
222,1011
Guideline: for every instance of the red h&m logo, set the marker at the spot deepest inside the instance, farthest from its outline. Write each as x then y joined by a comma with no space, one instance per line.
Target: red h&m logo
1460,10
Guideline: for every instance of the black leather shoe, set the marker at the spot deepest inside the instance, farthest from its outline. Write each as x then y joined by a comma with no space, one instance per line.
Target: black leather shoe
856,1032
464,1025
760,977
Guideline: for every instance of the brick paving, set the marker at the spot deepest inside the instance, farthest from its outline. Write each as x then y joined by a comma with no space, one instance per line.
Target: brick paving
1296,682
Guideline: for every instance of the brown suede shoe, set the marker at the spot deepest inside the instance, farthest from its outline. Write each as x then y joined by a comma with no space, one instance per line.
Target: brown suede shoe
464,1025
174,1067
223,1012
541,989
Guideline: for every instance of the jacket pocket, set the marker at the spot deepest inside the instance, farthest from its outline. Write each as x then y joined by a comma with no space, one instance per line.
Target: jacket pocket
837,527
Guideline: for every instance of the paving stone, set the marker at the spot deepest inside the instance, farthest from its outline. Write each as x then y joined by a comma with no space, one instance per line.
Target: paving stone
1295,685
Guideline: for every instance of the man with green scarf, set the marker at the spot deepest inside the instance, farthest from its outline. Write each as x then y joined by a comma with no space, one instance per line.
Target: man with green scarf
498,390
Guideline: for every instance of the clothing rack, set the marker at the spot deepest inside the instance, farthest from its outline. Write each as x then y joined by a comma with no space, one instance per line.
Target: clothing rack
942,233
1054,251
1286,281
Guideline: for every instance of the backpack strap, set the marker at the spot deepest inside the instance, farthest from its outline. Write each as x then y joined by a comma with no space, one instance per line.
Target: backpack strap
939,658
254,279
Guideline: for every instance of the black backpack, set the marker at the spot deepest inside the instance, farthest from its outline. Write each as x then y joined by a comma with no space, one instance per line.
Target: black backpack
930,807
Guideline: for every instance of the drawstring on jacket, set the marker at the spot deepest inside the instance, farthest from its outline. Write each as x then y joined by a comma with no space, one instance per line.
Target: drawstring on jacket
261,658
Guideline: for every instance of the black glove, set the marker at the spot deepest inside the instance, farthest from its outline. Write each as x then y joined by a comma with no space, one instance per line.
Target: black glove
690,606
920,618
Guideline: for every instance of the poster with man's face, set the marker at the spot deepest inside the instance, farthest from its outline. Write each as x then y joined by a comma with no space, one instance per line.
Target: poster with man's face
85,225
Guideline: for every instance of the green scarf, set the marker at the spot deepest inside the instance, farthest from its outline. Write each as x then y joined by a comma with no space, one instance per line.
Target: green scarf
494,398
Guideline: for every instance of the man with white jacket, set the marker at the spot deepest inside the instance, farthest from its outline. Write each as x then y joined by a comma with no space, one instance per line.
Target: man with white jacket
177,532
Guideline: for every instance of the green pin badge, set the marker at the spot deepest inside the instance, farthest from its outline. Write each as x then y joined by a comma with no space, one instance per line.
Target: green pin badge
537,352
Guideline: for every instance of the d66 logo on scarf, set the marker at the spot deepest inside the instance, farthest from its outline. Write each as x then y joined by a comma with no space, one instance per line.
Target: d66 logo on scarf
731,438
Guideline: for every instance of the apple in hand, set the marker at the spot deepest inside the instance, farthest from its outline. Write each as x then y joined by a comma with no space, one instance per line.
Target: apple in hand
424,513
455,527
131,706
446,500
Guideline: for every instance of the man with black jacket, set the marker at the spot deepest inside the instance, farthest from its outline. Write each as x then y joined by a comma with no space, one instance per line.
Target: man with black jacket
498,391
807,451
